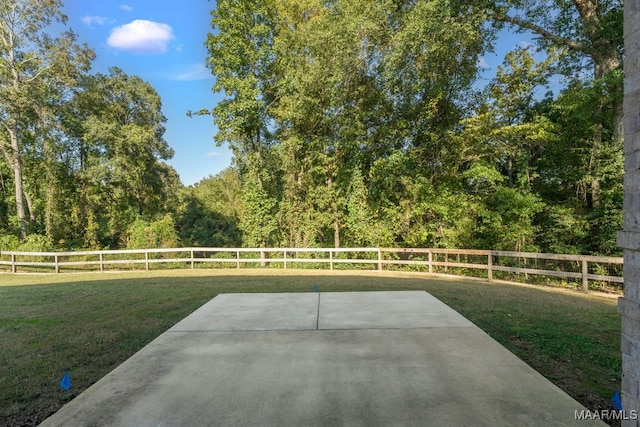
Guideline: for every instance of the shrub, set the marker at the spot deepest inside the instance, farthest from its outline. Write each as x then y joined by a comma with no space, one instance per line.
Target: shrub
9,242
155,234
36,243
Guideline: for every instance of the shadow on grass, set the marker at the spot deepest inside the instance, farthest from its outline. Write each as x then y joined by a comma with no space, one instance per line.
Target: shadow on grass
89,324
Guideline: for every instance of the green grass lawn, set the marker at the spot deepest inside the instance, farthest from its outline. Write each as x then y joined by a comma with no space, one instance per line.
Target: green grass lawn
87,324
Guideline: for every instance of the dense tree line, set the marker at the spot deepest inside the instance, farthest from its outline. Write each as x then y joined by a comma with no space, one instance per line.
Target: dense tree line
353,123
358,123
82,153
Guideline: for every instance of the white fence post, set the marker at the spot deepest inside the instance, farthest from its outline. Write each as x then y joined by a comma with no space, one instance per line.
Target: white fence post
284,256
101,261
490,265
13,263
238,259
330,260
146,260
585,273
192,261
55,260
379,260
430,262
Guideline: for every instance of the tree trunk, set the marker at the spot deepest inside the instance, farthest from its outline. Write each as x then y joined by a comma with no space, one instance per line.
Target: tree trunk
49,227
510,168
17,175
336,228
50,199
31,207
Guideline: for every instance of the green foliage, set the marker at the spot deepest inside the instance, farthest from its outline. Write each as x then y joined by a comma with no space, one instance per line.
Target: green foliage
36,75
9,242
353,82
362,227
356,124
507,220
160,233
353,123
35,243
121,136
258,223
563,230
201,227
83,152
482,178
241,56
211,211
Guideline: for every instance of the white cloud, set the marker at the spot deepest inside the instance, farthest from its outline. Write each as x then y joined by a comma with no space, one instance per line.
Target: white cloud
214,154
194,72
482,63
141,36
126,8
89,20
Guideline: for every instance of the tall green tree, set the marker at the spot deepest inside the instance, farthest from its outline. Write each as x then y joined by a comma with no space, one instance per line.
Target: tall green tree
590,32
116,127
333,87
569,167
32,66
349,117
242,57
327,95
589,29
508,131
430,68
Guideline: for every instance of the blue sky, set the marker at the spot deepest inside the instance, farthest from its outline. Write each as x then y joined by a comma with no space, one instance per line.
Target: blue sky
162,41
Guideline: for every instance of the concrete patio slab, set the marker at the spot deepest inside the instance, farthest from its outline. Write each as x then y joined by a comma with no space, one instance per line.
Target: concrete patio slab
375,310
254,312
440,373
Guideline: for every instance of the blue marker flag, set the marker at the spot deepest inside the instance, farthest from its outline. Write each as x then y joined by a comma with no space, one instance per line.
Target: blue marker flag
315,288
65,382
617,402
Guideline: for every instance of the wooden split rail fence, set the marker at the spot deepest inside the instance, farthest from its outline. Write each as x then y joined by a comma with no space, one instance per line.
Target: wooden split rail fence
492,265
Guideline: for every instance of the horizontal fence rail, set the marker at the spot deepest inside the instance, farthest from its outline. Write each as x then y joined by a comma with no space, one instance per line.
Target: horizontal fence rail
583,271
